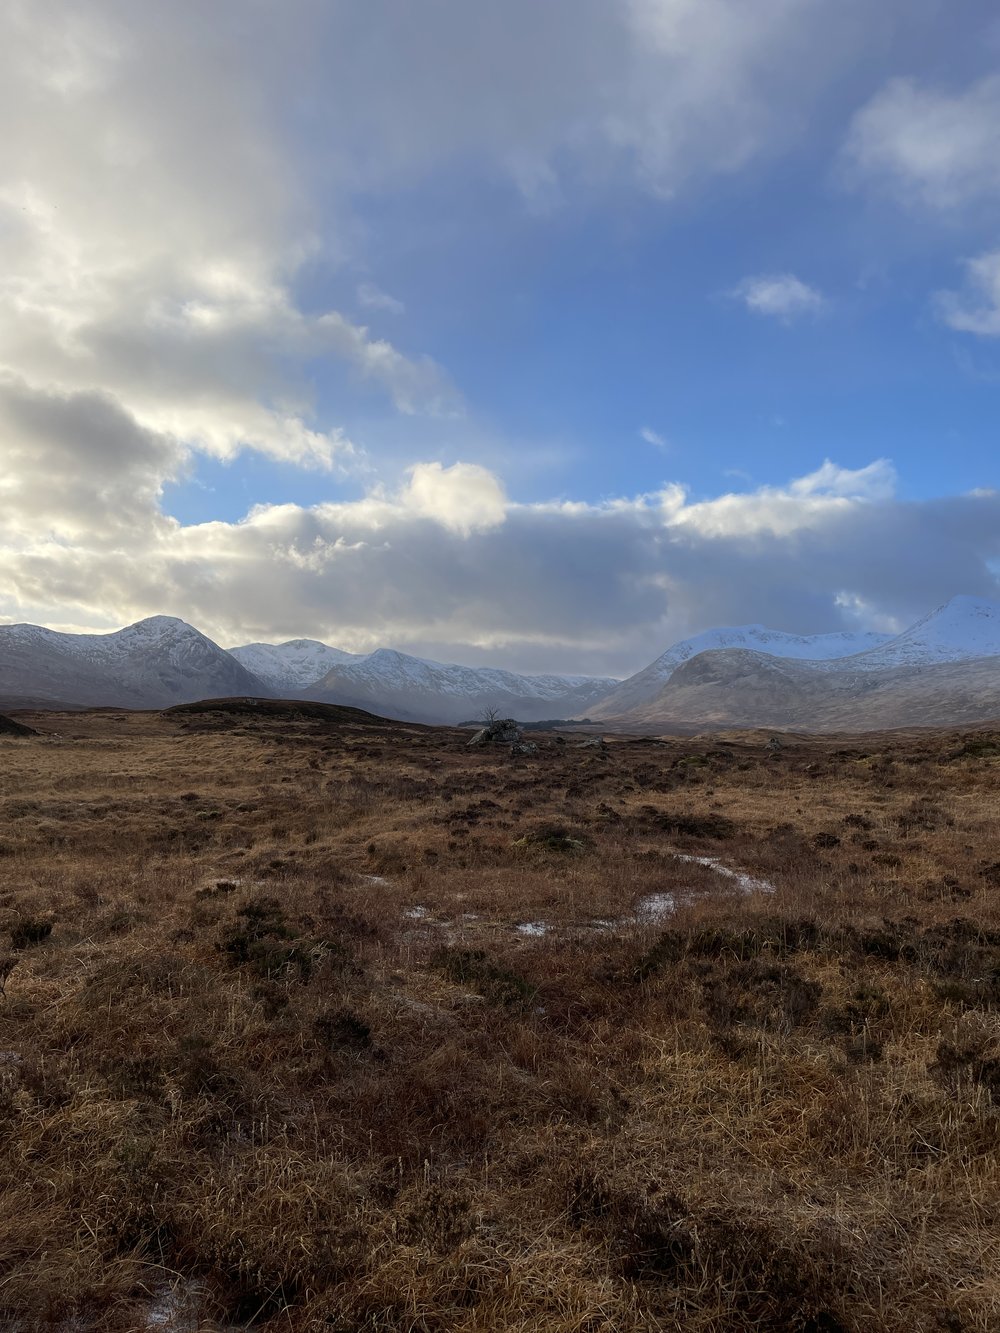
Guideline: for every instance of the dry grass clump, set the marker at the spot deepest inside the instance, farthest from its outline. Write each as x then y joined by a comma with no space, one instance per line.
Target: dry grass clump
313,1024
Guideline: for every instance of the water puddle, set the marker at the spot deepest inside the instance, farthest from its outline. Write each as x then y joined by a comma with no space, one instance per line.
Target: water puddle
747,883
656,907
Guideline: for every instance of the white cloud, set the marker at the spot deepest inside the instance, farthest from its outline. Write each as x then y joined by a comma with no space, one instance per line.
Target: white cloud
464,498
977,309
781,295
151,228
931,147
373,298
653,437
877,481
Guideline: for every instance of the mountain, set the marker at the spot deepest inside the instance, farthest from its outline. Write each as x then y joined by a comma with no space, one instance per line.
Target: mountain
288,668
742,688
961,629
422,691
945,667
151,664
645,685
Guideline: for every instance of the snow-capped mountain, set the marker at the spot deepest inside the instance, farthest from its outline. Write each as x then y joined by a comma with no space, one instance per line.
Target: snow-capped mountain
288,668
944,670
738,673
411,687
152,664
645,685
740,688
961,629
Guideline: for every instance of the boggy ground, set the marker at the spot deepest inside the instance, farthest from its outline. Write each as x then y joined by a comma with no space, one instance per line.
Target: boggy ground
273,1051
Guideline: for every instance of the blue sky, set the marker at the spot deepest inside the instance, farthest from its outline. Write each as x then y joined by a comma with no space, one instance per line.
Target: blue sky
388,303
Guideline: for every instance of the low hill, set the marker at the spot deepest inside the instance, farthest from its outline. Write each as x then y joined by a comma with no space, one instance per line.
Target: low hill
8,727
296,710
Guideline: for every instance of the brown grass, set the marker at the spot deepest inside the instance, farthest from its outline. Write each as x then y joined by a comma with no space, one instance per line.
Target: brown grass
271,1036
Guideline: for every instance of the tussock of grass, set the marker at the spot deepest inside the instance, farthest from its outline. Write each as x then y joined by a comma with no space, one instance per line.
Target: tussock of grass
234,1055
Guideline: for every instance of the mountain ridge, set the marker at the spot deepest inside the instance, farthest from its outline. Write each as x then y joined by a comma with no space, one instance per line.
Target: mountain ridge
742,675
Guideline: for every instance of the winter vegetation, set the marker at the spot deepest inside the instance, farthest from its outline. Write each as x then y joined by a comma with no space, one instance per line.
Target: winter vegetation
311,1020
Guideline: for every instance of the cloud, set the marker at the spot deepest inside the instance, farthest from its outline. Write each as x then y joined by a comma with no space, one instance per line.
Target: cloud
977,309
157,233
929,147
152,228
781,295
446,565
877,481
653,437
373,298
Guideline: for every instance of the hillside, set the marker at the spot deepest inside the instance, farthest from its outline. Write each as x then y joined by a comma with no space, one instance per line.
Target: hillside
738,688
646,684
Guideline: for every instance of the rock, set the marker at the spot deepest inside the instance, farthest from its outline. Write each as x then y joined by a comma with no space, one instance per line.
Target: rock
775,743
503,731
595,743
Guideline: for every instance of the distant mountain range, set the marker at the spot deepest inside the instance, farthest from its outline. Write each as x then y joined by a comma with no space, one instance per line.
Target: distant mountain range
944,670
164,661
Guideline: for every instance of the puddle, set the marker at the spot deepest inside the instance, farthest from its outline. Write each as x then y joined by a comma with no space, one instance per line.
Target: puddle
657,906
176,1309
533,928
374,879
747,883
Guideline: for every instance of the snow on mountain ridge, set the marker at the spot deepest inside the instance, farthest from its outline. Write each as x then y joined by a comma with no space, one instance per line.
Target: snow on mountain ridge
396,670
153,663
962,628
292,665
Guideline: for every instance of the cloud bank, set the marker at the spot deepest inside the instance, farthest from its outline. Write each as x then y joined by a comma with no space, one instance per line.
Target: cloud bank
447,565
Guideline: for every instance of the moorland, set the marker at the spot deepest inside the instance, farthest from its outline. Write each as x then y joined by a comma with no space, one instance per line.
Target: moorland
316,1021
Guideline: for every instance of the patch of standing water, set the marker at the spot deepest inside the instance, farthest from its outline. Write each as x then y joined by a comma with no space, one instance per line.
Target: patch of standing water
747,883
176,1309
657,906
532,928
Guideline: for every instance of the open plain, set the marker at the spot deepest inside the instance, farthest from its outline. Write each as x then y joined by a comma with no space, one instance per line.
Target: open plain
314,1021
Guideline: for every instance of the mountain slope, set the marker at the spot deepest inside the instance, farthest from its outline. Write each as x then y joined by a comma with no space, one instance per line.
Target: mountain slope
151,664
741,688
288,668
961,629
645,685
423,691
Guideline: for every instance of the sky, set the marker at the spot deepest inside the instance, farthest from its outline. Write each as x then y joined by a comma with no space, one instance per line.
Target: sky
539,335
